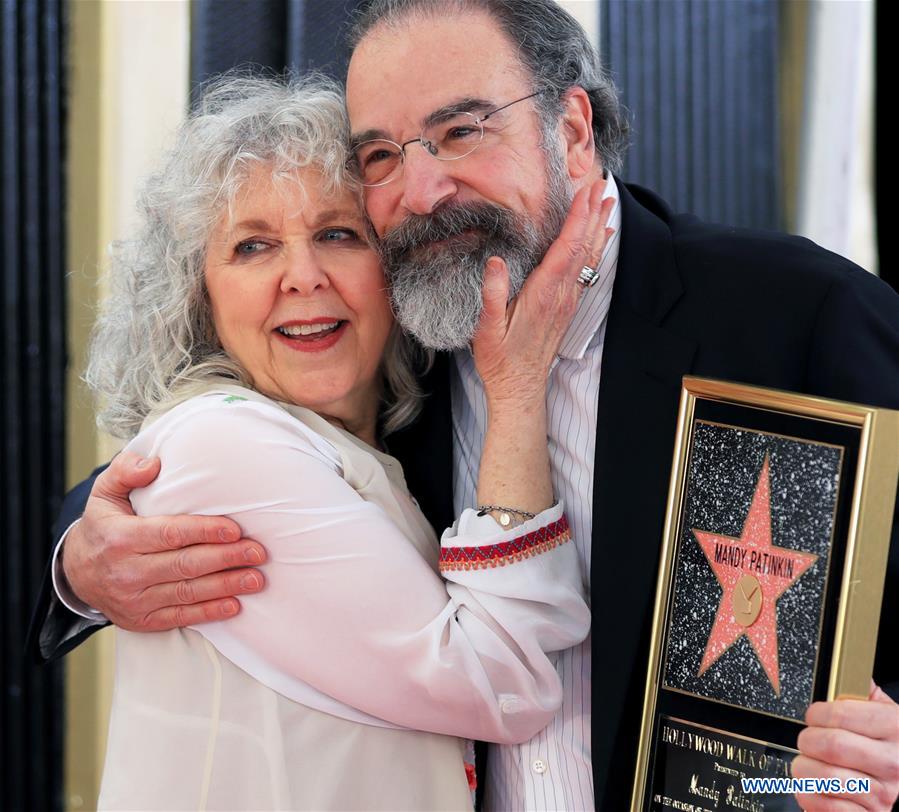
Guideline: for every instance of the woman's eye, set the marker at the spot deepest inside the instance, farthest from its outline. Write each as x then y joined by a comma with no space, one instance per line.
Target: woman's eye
338,235
248,248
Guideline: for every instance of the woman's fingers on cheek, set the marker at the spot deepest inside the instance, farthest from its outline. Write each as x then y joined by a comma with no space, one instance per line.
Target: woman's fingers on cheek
570,252
600,234
594,214
600,240
582,240
495,291
605,213
495,295
569,245
591,218
599,206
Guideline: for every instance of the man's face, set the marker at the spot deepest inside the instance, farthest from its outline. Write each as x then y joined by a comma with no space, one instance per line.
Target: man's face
439,221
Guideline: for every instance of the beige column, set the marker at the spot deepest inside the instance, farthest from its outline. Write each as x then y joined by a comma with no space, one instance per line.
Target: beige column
835,195
128,63
586,12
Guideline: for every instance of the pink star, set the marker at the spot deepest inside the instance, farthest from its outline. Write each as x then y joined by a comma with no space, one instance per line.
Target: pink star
753,574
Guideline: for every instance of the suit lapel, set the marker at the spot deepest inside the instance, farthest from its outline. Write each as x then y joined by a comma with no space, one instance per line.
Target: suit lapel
642,367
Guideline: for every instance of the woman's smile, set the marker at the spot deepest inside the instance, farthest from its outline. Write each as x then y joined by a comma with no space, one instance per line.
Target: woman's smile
314,335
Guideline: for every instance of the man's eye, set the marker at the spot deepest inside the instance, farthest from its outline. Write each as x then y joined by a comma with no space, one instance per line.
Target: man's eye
373,152
377,156
461,133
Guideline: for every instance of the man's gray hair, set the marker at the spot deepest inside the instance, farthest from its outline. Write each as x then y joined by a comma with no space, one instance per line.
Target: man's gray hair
156,333
552,46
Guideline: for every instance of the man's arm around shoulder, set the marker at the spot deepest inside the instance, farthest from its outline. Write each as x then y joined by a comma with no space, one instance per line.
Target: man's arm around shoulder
141,573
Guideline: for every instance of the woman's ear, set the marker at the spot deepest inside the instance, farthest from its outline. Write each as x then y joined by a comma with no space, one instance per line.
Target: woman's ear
577,131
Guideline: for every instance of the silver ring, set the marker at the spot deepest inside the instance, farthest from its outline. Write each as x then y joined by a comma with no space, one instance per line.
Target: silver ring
588,276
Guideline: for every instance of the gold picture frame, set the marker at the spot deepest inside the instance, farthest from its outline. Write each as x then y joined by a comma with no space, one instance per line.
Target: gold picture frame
850,454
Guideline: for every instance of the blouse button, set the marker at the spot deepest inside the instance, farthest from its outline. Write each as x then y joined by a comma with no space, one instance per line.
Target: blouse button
538,765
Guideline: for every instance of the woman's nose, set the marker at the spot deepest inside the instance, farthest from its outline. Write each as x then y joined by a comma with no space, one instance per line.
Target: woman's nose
303,272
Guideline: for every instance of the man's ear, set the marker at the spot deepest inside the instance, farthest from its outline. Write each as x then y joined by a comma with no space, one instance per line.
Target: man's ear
577,131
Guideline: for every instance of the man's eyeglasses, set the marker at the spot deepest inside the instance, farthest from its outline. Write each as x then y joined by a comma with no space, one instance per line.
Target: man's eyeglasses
453,136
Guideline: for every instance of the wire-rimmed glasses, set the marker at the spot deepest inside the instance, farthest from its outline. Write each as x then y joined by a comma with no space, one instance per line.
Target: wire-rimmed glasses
450,136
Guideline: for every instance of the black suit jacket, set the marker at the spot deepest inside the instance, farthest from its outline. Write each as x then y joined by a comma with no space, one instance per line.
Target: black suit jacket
689,298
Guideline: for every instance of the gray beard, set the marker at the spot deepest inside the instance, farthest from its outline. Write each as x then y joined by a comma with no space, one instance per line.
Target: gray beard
436,289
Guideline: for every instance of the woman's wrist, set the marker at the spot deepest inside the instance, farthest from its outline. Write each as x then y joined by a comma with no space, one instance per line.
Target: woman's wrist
530,407
516,391
515,469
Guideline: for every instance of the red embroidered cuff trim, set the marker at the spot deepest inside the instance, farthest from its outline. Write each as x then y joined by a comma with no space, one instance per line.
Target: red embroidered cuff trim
506,552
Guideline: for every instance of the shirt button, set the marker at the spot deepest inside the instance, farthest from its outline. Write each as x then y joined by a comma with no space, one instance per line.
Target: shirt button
508,705
538,765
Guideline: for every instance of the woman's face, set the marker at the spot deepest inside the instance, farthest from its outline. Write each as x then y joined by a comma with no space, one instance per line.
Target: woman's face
298,297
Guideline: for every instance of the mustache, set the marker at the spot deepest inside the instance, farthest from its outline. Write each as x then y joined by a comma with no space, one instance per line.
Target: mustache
450,220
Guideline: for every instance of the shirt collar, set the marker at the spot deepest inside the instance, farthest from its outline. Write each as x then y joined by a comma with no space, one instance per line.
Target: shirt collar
594,305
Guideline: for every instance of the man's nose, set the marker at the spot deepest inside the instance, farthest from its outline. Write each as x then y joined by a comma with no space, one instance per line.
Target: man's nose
302,271
427,182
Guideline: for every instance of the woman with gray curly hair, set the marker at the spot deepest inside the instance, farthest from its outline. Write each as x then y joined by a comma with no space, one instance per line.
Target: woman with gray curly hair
249,343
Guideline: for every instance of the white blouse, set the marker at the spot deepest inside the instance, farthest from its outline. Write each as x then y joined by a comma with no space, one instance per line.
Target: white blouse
315,695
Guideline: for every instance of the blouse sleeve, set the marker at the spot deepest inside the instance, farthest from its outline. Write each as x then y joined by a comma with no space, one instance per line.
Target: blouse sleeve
350,607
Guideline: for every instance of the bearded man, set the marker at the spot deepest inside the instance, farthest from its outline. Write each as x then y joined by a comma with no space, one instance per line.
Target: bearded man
474,122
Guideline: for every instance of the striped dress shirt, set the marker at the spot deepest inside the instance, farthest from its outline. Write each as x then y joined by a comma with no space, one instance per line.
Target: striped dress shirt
552,771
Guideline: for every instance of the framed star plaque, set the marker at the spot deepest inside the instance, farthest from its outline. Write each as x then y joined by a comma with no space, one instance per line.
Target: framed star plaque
771,578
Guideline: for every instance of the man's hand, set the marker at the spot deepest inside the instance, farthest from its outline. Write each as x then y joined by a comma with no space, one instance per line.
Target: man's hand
851,738
161,572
